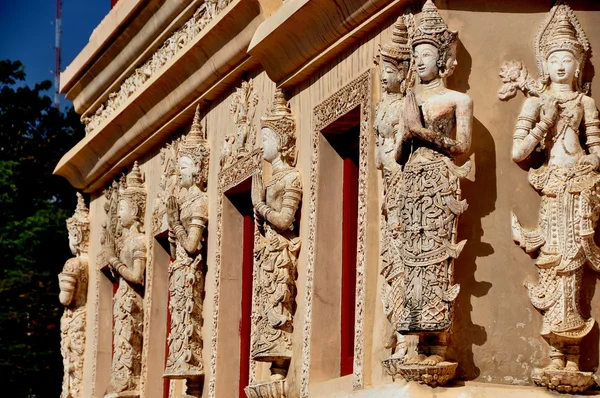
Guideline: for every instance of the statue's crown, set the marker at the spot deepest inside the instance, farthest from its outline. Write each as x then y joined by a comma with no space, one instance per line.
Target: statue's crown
562,32
398,47
280,119
80,218
133,183
195,144
433,29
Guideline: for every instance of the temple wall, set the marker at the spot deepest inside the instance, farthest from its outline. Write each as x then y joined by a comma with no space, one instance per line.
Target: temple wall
495,337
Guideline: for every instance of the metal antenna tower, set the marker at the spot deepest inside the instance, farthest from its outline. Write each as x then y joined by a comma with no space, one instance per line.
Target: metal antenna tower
58,30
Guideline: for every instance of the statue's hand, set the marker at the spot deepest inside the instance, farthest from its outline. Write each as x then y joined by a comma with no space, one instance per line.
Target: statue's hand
591,160
258,216
109,247
412,115
550,108
258,190
172,212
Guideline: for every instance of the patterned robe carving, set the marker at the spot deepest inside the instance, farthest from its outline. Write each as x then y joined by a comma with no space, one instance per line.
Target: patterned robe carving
72,328
429,204
128,313
276,254
186,284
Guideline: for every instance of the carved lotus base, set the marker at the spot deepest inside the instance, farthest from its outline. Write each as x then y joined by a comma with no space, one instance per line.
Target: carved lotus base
563,380
434,375
188,374
267,389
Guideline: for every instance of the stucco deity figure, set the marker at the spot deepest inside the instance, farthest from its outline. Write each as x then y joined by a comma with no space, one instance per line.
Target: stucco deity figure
187,215
276,252
73,281
561,121
128,267
394,64
438,123
243,108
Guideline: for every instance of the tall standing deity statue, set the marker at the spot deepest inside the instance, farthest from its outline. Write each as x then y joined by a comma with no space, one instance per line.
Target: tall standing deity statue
438,124
561,121
187,215
276,252
394,65
73,283
128,268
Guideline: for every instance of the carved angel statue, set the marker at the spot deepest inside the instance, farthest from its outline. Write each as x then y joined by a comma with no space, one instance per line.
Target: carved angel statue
73,281
555,112
276,252
394,64
438,125
187,215
129,269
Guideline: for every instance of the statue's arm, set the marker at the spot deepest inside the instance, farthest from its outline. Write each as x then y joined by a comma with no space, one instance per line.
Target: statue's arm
529,131
67,281
591,122
136,273
190,239
284,218
464,127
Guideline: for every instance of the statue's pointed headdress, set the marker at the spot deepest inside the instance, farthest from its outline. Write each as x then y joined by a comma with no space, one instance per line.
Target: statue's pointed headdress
397,48
79,224
195,146
132,189
280,120
433,29
560,31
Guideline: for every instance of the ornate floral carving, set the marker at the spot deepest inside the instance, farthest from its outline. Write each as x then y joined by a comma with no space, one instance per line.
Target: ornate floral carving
243,107
167,184
205,13
356,93
124,257
276,252
73,283
554,113
187,215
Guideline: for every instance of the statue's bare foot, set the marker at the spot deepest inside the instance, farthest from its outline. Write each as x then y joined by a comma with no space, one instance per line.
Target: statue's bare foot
556,364
432,360
572,366
417,360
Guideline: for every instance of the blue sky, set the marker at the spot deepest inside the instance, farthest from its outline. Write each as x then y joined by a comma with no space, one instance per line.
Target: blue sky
27,32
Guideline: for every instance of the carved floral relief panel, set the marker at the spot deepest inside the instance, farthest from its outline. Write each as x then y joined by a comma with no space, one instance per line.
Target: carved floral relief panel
203,15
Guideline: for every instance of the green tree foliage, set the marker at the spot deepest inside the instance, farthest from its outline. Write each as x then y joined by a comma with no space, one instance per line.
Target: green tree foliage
34,205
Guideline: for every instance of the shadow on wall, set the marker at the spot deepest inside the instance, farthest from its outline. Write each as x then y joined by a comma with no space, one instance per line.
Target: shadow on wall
465,332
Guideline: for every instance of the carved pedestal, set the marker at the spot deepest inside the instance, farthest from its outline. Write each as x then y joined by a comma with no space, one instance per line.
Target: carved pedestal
434,375
124,394
563,381
267,389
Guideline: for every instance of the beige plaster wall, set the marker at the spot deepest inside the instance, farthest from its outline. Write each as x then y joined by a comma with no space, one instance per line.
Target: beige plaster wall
496,329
